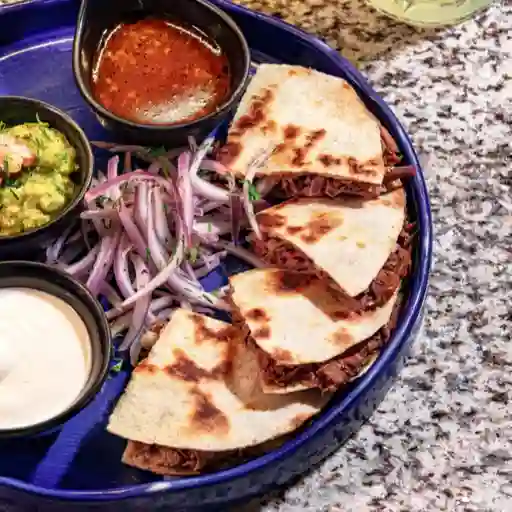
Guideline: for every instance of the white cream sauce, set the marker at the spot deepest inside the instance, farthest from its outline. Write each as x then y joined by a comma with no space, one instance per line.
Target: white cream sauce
45,356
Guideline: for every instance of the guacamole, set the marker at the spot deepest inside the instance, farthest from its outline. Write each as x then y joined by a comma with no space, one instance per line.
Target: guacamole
36,167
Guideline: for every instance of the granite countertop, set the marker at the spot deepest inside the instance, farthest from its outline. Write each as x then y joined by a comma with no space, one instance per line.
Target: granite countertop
442,438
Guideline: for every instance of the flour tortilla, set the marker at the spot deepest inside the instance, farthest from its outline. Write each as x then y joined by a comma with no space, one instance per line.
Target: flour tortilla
295,320
348,239
316,123
367,365
199,390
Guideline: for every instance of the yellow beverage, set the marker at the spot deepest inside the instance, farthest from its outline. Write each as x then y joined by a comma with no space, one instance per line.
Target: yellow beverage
430,12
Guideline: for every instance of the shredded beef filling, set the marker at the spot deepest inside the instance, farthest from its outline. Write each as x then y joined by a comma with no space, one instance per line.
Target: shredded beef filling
322,186
174,462
329,375
166,461
281,254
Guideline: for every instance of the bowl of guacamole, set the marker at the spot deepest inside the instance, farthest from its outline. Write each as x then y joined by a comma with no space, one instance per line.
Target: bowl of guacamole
45,169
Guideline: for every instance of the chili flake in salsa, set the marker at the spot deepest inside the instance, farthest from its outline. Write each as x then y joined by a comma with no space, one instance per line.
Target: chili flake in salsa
159,72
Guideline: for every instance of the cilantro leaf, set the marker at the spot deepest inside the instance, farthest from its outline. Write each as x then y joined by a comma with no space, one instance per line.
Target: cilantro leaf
12,182
254,195
157,152
192,254
117,367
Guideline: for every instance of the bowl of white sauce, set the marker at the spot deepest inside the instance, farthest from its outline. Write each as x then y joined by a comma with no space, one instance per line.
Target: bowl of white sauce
55,348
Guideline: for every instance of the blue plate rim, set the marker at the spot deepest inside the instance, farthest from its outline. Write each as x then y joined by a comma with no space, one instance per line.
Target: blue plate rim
410,315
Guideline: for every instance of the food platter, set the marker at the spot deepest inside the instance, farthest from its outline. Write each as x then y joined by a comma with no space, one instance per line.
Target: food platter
79,466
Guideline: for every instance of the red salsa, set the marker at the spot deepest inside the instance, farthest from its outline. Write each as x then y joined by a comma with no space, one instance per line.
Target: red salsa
159,72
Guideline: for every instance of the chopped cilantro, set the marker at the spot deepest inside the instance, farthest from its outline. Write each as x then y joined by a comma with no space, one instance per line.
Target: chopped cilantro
12,182
118,366
254,195
38,121
148,253
192,254
209,227
45,134
38,143
63,157
6,164
157,152
399,156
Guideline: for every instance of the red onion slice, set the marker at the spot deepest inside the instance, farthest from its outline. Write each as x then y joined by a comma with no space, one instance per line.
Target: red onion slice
103,262
141,308
121,269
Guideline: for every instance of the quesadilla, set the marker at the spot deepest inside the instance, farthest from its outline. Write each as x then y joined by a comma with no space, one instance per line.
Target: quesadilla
360,247
324,141
297,328
197,397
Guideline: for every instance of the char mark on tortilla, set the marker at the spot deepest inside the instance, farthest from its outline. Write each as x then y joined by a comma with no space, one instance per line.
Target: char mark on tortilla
185,369
205,334
206,417
258,314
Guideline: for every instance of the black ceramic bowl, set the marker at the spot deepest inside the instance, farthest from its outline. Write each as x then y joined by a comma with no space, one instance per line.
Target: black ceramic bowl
98,17
37,276
17,110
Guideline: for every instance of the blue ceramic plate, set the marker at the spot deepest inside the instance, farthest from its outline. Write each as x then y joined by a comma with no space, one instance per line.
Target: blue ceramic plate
79,467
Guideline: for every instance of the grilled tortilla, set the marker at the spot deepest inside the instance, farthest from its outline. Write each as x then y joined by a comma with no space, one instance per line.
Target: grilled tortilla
347,241
326,375
324,140
291,320
198,392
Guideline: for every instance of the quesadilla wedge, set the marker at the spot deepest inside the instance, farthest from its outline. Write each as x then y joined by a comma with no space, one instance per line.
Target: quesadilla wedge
324,140
293,323
361,248
197,396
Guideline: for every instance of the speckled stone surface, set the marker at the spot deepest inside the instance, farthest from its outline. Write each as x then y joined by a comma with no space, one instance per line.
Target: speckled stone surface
442,439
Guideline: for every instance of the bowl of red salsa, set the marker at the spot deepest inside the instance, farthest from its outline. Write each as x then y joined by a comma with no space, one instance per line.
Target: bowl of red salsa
158,72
